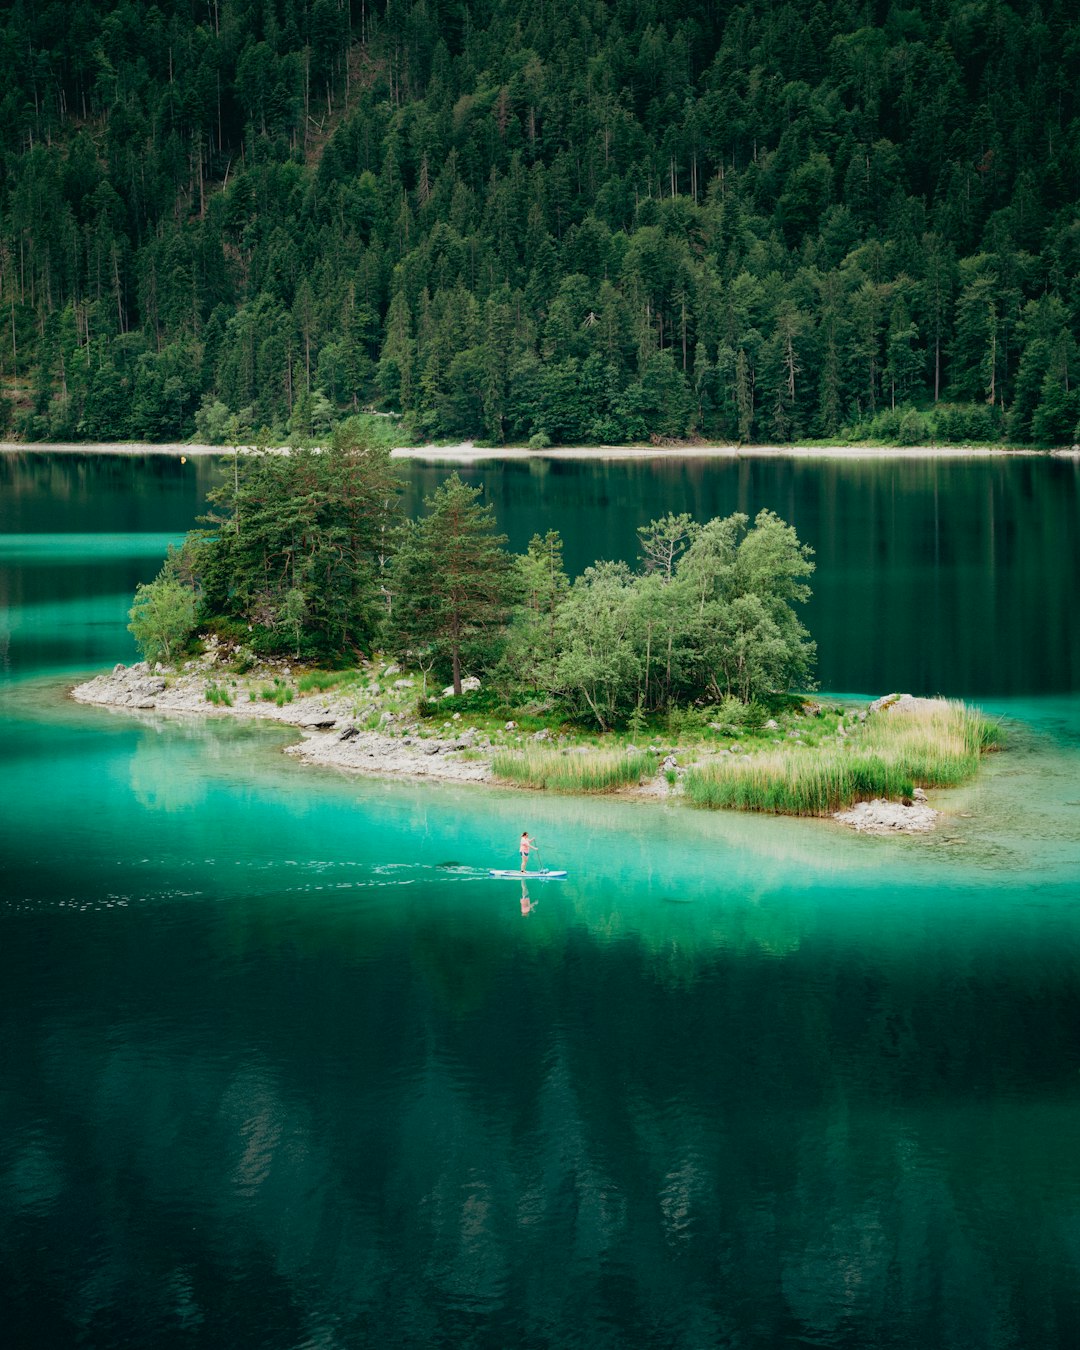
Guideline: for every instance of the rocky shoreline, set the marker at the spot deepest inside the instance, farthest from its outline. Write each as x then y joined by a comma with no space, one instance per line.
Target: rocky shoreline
331,724
355,730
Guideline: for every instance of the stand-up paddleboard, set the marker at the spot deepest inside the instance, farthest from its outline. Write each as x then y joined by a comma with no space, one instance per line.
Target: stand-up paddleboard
545,874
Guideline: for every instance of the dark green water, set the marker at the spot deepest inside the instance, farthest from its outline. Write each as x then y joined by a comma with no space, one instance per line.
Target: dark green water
274,1076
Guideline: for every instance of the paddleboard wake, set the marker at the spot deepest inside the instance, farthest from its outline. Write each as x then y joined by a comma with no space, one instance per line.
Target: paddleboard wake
544,874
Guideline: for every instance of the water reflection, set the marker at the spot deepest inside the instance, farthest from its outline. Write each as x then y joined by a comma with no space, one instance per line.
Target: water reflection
424,1130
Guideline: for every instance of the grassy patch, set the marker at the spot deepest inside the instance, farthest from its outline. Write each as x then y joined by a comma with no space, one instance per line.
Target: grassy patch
598,771
218,695
888,756
322,680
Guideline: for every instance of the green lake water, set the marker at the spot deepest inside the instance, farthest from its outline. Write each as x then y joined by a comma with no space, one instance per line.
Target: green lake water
284,1068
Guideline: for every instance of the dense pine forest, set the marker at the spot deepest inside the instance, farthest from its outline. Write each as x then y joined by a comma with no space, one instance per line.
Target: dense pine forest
543,222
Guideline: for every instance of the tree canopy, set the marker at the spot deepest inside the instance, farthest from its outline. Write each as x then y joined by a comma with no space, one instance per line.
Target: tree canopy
595,222
295,547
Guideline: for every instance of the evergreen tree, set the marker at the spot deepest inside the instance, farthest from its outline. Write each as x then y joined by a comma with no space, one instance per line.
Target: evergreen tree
452,580
606,223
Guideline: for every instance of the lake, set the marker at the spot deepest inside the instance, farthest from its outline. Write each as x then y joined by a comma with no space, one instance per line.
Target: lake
285,1068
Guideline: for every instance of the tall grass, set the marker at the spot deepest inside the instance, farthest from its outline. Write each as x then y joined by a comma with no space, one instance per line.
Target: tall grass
320,680
891,754
278,692
600,771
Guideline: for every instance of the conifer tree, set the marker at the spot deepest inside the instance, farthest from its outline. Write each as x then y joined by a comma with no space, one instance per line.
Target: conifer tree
452,581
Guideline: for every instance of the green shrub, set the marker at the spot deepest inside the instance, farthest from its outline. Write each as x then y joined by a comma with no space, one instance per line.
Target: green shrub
162,618
729,714
913,428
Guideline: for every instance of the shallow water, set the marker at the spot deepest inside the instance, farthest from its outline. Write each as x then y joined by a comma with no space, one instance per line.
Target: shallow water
286,1068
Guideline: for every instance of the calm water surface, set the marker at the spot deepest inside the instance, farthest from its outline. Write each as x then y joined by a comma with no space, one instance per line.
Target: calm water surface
283,1068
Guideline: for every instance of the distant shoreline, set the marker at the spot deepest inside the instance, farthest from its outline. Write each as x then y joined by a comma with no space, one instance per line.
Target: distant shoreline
466,452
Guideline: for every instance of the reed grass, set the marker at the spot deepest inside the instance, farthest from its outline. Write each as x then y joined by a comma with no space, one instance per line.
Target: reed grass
599,771
889,756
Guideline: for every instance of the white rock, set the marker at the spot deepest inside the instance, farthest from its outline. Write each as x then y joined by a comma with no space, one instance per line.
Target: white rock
885,817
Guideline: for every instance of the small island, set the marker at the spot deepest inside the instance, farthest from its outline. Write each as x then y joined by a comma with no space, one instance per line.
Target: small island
425,648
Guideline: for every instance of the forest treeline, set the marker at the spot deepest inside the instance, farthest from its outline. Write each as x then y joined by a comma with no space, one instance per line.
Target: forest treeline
607,221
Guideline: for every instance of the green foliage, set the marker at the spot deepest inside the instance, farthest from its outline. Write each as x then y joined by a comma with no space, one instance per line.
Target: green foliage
599,666
297,545
162,617
531,651
452,581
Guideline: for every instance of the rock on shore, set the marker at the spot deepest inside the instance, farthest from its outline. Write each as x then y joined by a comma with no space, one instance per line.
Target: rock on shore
883,817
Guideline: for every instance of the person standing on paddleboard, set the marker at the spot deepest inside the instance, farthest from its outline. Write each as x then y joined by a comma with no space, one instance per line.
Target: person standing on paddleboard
525,845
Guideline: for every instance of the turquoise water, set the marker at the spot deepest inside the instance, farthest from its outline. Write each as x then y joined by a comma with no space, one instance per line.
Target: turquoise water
285,1068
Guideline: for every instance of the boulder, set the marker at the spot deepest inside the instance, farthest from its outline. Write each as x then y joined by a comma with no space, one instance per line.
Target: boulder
469,685
903,703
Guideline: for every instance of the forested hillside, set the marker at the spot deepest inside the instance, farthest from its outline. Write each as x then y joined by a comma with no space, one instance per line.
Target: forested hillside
597,221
